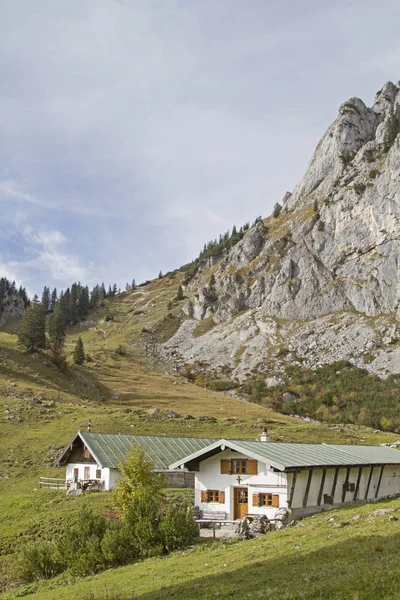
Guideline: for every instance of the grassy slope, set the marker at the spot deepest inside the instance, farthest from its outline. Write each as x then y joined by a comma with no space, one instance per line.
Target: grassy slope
318,559
48,406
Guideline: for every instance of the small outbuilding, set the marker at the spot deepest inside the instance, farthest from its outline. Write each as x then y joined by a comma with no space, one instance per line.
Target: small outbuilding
93,460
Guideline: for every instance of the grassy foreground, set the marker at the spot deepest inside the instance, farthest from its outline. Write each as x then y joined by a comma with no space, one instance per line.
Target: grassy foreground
339,555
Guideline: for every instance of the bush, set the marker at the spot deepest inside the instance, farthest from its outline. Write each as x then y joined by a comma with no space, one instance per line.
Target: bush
359,188
223,385
178,529
118,545
41,561
80,546
373,173
143,520
121,350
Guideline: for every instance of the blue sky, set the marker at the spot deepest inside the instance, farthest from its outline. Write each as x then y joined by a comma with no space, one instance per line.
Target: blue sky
133,131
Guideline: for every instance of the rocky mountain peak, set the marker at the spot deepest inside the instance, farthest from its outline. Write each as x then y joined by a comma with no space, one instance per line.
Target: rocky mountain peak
333,249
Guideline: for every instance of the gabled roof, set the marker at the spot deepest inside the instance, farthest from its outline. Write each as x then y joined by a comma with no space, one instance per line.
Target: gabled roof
110,449
286,456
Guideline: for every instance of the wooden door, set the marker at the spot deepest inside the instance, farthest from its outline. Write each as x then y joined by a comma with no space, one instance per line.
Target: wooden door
86,474
240,502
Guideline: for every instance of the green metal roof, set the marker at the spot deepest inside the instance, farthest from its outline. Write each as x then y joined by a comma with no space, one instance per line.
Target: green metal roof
111,449
285,456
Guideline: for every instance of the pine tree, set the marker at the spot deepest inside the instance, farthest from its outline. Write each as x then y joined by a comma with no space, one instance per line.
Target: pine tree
32,333
277,210
79,352
83,302
73,304
160,275
46,298
57,332
53,299
127,287
179,295
133,284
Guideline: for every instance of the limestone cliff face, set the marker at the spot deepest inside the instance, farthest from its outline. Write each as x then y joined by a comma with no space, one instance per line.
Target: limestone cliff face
335,246
12,307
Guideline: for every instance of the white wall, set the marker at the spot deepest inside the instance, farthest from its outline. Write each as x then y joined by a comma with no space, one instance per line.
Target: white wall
389,486
209,477
105,473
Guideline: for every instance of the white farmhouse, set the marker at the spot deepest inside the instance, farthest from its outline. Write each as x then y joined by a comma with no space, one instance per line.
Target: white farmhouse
245,477
249,477
93,460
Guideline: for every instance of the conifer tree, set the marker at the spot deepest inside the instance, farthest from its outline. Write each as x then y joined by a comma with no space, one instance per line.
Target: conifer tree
160,275
179,295
133,286
73,304
46,298
53,299
57,332
79,352
32,333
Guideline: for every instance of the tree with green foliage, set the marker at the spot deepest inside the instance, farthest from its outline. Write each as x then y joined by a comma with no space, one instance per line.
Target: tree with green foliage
179,296
79,352
133,286
160,275
32,333
57,333
53,299
277,210
46,298
138,481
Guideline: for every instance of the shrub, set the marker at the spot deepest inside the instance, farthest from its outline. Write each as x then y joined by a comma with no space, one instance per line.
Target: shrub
359,188
222,385
118,545
41,561
143,519
121,350
283,352
373,173
321,226
178,529
80,546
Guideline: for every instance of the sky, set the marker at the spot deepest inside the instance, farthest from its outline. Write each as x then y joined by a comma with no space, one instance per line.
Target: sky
134,131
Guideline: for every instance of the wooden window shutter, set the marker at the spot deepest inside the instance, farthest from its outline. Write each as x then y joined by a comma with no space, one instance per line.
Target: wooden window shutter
204,497
275,500
256,499
225,467
221,497
252,467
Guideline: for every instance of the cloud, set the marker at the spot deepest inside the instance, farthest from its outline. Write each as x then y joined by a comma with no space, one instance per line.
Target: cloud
140,129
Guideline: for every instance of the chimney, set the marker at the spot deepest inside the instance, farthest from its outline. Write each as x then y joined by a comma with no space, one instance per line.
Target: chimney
264,436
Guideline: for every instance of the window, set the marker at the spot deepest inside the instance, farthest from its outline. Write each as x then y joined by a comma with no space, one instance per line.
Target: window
239,466
98,473
86,473
266,500
213,496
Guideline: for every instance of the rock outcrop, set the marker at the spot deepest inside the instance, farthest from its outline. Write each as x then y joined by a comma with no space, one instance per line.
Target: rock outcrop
333,250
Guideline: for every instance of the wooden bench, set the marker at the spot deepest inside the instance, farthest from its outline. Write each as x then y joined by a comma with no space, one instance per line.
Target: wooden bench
214,518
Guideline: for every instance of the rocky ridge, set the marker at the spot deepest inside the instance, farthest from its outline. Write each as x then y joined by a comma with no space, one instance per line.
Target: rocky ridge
320,281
